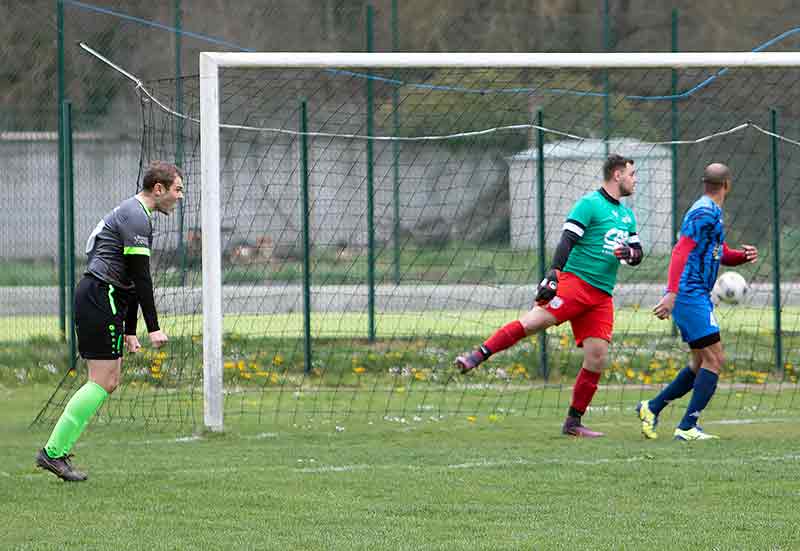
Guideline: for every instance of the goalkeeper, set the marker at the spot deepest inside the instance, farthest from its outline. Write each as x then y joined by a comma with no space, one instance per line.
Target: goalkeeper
117,281
598,235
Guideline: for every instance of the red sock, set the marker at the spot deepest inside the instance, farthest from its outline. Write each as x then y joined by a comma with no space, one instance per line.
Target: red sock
584,389
505,337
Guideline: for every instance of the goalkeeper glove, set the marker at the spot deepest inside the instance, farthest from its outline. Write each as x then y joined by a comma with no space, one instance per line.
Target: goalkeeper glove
546,290
628,255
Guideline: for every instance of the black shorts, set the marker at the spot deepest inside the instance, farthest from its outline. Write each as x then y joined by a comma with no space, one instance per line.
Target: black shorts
100,310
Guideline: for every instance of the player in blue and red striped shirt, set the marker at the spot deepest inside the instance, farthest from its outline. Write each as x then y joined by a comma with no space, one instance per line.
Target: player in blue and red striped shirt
692,273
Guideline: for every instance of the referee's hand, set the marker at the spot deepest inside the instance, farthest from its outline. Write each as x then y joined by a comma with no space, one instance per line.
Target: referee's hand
158,338
132,344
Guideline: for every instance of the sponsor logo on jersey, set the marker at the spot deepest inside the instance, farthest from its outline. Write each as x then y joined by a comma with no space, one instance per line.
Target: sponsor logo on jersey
614,238
556,303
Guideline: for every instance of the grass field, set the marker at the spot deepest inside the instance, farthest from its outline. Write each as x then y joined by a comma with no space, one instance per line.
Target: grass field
757,321
454,483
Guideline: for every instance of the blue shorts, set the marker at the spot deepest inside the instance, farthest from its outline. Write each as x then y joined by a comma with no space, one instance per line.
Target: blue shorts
696,321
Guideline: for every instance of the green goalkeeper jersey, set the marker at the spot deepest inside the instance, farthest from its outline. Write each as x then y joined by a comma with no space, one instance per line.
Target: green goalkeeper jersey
602,223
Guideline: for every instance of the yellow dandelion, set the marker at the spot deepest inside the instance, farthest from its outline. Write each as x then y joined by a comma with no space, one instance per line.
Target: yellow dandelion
277,360
229,365
493,418
240,364
629,373
254,366
359,370
156,375
246,375
419,376
647,380
273,378
472,418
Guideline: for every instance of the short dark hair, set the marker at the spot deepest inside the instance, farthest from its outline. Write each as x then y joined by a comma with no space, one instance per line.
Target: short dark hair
160,172
614,162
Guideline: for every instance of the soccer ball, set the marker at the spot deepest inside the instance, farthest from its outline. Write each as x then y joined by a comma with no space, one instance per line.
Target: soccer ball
730,288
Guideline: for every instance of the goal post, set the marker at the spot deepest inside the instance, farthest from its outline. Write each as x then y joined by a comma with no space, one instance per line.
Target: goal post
211,64
211,243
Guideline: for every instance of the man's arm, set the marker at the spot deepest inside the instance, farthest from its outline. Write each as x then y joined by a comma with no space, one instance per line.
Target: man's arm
548,287
136,230
631,253
680,254
138,266
568,239
131,320
735,257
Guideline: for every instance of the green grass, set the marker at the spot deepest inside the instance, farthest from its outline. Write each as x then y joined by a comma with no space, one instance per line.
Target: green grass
454,483
733,320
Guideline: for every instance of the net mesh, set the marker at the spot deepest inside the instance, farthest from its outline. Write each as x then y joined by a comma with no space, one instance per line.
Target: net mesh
450,183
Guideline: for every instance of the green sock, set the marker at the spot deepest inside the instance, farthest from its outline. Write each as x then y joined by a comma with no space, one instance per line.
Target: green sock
80,409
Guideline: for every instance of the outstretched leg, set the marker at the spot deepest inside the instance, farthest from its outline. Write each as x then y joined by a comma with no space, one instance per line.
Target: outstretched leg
535,320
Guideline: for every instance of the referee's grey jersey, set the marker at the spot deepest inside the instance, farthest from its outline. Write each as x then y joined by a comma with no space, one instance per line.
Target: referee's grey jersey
128,229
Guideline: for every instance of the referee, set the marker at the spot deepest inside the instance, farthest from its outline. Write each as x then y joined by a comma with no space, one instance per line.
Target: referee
116,283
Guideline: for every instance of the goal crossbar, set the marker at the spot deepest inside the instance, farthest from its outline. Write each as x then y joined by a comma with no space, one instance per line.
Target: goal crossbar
637,60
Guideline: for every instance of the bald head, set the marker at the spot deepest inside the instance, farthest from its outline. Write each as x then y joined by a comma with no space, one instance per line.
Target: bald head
716,174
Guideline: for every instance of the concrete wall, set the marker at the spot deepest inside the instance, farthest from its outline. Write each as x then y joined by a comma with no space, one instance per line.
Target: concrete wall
105,173
260,190
574,169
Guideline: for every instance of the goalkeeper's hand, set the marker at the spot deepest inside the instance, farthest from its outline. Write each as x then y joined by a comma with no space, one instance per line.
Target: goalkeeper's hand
627,254
547,288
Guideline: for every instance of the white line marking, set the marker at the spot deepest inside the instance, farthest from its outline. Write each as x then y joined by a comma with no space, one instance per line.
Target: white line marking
751,421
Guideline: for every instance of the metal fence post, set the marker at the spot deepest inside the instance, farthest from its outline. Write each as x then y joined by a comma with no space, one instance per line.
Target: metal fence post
370,191
545,371
306,238
776,241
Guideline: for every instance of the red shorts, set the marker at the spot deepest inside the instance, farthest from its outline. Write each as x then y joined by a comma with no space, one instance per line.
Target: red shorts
589,310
